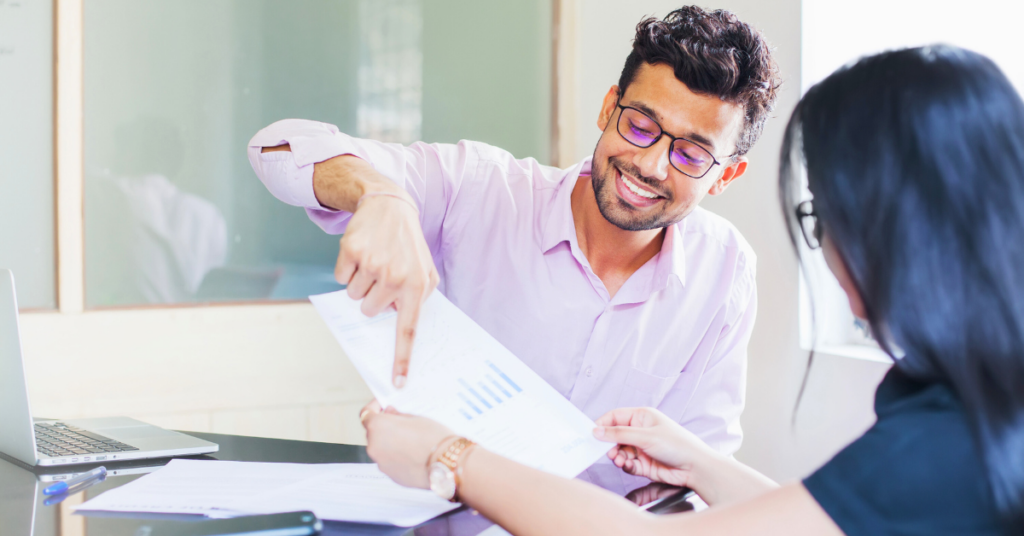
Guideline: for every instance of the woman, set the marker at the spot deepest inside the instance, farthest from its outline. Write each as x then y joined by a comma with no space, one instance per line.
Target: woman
915,161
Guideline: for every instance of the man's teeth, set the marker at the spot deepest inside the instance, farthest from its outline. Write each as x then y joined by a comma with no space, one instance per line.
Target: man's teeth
637,190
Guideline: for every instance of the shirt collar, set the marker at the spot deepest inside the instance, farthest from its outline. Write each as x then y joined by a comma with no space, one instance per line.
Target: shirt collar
657,274
672,257
560,227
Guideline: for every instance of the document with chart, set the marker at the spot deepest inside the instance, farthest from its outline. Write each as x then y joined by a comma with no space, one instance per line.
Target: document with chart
463,378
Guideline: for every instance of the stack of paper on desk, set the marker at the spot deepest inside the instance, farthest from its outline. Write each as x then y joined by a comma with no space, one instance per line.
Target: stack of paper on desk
463,378
356,492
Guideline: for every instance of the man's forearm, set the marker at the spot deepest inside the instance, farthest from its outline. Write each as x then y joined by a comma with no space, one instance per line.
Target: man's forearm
339,182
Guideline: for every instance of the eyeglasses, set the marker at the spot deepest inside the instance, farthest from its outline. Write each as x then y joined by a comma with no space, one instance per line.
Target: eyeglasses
808,220
639,129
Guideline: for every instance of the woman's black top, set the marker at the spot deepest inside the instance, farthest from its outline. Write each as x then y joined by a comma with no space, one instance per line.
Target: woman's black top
916,471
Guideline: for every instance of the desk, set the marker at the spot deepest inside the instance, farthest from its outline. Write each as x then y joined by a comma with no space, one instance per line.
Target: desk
22,512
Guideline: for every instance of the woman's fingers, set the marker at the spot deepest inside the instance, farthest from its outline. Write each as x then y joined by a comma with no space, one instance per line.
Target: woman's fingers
624,435
368,412
636,417
620,417
639,466
372,406
371,410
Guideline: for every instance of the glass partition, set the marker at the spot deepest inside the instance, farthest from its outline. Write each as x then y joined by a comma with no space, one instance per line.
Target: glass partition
174,90
27,225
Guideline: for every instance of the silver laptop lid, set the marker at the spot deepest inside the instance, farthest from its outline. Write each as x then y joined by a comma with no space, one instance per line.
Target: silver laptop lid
17,438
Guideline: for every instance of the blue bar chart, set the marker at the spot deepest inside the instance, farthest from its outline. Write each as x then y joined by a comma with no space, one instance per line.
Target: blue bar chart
486,392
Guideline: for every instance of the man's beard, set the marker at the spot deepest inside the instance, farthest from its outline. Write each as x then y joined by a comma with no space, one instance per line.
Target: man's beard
618,212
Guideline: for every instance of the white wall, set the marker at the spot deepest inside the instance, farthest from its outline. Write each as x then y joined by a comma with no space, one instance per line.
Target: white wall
990,27
837,404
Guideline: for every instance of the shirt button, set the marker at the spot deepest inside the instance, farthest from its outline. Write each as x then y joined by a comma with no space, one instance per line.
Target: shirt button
589,372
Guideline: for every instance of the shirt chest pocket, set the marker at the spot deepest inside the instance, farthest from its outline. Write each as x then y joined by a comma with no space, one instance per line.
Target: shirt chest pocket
643,389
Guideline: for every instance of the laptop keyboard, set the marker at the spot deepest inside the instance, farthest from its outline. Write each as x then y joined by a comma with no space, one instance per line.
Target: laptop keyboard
58,439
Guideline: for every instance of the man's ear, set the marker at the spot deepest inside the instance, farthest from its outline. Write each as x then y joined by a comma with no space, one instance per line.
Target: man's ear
731,172
608,107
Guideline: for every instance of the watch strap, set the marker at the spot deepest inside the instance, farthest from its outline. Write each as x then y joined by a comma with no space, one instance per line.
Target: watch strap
451,456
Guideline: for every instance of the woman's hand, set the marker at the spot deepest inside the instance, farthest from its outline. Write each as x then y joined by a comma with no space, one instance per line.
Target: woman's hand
654,446
402,445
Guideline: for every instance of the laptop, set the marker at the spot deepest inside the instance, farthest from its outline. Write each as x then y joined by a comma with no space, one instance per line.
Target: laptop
47,442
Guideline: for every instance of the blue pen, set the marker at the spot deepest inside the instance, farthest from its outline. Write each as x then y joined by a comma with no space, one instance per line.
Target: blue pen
61,487
73,490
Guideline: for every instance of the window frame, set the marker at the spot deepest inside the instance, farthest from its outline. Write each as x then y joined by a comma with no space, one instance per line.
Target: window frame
69,167
267,368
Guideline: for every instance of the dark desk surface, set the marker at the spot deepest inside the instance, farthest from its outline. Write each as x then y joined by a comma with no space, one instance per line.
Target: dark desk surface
24,513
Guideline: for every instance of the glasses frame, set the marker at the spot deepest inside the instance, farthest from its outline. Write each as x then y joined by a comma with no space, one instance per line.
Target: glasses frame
662,133
813,235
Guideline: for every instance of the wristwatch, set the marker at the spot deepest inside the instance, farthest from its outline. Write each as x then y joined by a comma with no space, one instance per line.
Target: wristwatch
445,472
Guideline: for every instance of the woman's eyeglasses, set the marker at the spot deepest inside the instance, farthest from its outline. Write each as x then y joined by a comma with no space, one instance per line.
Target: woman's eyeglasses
809,225
686,156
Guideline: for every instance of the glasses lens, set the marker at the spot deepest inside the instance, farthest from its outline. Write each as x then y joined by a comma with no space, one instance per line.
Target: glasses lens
690,158
809,224
637,128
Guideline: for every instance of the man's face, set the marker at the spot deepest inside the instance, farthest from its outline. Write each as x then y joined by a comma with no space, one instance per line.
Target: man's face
666,194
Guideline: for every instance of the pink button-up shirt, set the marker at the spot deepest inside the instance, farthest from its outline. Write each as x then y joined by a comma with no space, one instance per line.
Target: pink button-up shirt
502,237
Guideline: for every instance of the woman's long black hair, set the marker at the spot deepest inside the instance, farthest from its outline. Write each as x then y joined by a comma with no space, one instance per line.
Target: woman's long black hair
915,160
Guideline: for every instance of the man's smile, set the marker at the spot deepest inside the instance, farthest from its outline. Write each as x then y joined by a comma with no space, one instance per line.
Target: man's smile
634,192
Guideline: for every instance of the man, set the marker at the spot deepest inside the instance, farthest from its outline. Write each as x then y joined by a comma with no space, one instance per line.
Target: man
606,278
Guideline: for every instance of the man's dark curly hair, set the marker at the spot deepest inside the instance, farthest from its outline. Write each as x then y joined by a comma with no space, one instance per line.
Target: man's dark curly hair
713,53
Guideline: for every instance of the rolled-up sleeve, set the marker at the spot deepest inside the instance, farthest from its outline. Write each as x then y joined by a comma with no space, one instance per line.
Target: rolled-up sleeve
431,173
289,175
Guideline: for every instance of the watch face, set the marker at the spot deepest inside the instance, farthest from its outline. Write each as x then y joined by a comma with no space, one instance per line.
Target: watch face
442,481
